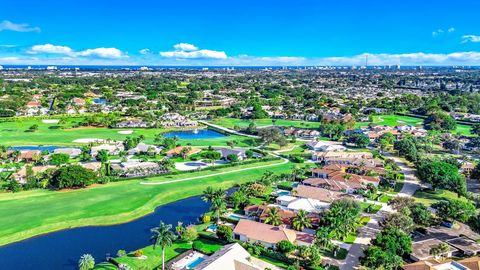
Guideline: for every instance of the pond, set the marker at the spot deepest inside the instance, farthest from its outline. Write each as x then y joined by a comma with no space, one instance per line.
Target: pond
49,148
62,249
195,134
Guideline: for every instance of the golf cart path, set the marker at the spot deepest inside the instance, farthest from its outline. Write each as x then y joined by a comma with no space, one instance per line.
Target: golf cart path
215,174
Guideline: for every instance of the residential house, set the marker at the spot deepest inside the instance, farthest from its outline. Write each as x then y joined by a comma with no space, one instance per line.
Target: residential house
229,257
72,152
26,155
21,175
175,152
421,249
268,235
134,168
225,152
325,146
112,149
340,157
432,264
320,194
144,148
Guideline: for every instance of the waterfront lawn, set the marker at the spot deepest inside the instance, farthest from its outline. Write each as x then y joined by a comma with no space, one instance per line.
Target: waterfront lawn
29,213
231,122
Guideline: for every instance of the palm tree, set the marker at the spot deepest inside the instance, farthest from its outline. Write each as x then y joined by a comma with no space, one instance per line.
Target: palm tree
301,221
323,239
162,236
218,207
273,217
86,262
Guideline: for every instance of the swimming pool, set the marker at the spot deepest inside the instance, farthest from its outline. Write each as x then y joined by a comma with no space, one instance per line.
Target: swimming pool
283,193
233,216
212,227
196,262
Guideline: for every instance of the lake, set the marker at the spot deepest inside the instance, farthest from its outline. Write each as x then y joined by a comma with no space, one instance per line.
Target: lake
62,249
195,134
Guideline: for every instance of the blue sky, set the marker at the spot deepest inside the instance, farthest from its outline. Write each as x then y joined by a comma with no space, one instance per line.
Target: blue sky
242,32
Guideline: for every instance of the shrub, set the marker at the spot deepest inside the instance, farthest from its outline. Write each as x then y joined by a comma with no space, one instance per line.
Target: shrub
285,246
225,232
206,218
138,253
121,253
190,234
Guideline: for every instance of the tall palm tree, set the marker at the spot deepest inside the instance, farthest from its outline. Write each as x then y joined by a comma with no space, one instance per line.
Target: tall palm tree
273,217
162,236
323,239
86,262
218,207
301,221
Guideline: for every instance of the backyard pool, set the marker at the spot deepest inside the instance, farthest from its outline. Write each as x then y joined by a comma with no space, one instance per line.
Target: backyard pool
283,193
195,263
194,134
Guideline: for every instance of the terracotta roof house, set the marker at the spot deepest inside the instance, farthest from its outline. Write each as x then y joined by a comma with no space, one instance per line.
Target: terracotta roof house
472,263
320,194
26,155
261,212
268,235
21,175
177,151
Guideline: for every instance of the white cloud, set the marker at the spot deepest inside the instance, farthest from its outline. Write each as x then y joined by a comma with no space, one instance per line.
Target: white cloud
186,47
50,48
190,51
470,38
439,32
65,50
18,27
144,51
102,53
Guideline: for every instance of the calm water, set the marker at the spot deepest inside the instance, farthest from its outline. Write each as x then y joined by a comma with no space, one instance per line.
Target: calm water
190,134
49,148
61,250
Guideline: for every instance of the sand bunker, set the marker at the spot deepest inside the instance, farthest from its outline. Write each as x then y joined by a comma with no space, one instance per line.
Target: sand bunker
89,140
50,121
126,132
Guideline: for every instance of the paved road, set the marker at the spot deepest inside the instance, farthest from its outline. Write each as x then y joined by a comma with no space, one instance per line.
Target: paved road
366,233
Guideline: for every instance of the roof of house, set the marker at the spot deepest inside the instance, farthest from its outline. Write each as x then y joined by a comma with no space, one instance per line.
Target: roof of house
321,194
465,244
231,257
228,151
421,249
309,205
264,232
177,150
472,263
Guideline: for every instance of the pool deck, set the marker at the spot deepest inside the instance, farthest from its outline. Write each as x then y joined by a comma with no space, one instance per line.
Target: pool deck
189,257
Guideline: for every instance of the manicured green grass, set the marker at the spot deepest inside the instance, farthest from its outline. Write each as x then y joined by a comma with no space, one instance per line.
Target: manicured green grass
393,120
273,261
431,197
154,256
231,122
350,239
14,134
341,254
30,213
384,198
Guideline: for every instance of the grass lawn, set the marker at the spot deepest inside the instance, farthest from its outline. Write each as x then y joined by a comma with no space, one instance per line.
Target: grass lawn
341,254
29,213
350,239
14,134
384,198
393,120
231,122
273,261
154,256
430,197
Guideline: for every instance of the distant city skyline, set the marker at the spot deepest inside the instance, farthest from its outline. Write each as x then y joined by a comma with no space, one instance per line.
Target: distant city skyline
240,33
